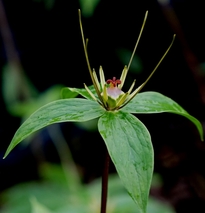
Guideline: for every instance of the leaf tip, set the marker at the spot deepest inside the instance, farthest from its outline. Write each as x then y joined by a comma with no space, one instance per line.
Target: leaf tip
6,154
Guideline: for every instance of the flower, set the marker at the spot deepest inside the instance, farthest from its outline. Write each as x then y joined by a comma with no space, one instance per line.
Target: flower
110,94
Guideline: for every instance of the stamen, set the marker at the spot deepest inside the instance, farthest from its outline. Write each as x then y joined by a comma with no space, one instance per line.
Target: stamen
102,77
113,82
132,86
122,99
90,93
96,79
122,77
105,97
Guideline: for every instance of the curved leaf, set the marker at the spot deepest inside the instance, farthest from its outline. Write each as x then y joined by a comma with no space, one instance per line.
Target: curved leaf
129,145
69,92
154,102
74,109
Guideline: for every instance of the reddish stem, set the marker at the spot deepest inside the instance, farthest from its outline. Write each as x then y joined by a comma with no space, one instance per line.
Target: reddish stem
105,183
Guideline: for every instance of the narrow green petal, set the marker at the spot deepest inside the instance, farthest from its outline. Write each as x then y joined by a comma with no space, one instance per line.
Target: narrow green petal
105,96
134,93
96,80
131,96
122,99
132,86
123,77
90,93
102,77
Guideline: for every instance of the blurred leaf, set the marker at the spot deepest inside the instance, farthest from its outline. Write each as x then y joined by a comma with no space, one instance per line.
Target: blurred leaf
15,85
156,206
67,92
49,4
25,108
54,173
90,125
51,195
124,56
202,70
20,96
88,7
157,180
37,207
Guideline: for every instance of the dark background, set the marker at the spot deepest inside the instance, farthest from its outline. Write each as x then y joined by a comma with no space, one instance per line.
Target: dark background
48,46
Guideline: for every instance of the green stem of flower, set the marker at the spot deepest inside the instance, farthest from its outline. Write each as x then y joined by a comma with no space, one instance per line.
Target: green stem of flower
105,183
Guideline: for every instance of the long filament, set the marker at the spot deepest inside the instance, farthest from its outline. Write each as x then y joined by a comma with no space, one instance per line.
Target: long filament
87,59
138,39
133,94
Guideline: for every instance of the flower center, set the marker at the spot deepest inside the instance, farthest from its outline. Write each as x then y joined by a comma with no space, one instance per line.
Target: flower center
113,82
112,90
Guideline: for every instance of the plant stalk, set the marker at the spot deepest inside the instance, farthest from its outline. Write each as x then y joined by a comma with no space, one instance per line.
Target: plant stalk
105,182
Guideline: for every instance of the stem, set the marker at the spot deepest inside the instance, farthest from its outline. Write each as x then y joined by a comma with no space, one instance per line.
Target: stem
105,183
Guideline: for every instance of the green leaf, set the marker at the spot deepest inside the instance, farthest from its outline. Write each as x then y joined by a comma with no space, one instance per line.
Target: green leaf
38,207
74,109
124,56
69,92
88,7
129,145
153,102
